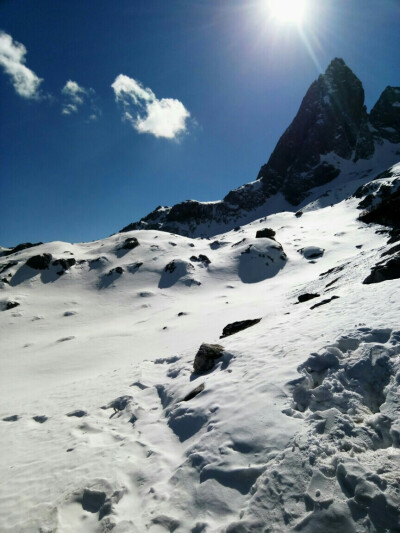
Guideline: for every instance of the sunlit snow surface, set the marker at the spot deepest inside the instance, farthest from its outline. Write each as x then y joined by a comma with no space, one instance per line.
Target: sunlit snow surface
266,446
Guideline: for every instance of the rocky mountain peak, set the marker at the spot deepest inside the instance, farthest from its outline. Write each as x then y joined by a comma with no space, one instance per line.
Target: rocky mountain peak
328,120
332,127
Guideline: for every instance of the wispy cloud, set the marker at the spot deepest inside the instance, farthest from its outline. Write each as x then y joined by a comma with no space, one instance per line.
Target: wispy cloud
75,97
162,118
12,58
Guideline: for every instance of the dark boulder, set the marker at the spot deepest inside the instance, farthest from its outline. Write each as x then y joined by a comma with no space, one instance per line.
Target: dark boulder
235,327
11,305
266,232
93,500
170,267
306,296
206,357
11,418
39,262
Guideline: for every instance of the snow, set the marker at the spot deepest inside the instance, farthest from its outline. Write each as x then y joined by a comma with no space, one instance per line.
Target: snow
298,425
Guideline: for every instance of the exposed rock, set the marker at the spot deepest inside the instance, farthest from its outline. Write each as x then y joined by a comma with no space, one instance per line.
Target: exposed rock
129,244
170,267
307,296
79,413
39,262
206,357
65,263
385,115
311,252
266,232
20,247
323,302
117,270
386,270
41,419
193,393
11,305
235,327
201,259
11,418
93,500
6,266
119,403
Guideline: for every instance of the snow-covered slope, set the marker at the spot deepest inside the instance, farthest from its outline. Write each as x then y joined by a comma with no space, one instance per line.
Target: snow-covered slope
296,427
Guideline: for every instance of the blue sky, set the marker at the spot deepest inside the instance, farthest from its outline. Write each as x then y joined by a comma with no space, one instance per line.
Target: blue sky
73,169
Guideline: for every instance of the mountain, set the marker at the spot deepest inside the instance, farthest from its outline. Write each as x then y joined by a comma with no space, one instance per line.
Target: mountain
331,137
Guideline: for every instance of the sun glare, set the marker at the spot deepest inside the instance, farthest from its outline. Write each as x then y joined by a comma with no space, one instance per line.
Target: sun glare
288,11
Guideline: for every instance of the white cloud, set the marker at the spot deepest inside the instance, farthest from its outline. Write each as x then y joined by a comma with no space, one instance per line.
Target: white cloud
75,97
161,118
12,59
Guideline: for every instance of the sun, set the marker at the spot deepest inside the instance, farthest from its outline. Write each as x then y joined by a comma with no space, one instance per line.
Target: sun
288,11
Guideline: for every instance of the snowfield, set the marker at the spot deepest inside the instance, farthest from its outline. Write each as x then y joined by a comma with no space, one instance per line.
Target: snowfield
295,428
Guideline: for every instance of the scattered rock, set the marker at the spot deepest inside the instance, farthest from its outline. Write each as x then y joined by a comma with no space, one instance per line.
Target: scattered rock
306,296
39,262
298,214
182,314
132,419
11,305
193,393
40,419
235,327
129,244
324,302
206,357
266,232
79,413
12,418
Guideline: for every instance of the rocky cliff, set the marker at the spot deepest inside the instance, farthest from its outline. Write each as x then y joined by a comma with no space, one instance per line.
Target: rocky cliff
331,133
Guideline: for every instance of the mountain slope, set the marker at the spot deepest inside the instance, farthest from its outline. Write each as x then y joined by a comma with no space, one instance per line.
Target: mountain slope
105,425
331,138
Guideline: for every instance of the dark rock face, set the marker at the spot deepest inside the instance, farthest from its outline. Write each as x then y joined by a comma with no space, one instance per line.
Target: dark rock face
332,122
235,327
20,247
266,232
39,262
206,357
385,115
386,270
328,120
